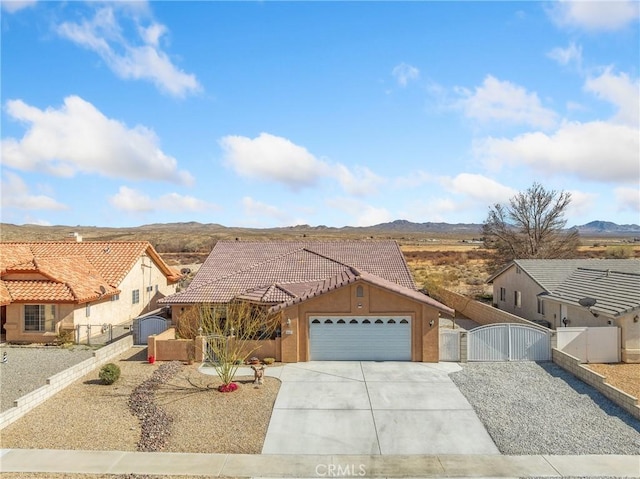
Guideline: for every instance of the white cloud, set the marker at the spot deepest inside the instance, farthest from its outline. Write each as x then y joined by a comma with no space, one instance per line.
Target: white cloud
619,90
435,210
478,188
274,158
404,73
12,6
413,180
597,151
594,15
146,60
363,214
582,204
79,138
564,56
259,211
503,101
128,199
15,194
628,199
360,182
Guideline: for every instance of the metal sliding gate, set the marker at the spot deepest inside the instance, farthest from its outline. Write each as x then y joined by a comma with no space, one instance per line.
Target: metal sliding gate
508,342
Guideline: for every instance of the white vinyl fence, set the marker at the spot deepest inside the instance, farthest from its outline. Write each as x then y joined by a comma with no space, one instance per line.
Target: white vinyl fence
450,345
591,345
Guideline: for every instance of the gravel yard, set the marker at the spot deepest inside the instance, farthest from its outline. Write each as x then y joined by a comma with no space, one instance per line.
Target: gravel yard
528,408
538,408
90,415
28,368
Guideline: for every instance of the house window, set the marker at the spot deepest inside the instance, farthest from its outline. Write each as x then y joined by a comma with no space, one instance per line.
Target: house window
518,270
517,299
156,289
87,310
39,317
115,297
135,296
540,306
503,294
360,292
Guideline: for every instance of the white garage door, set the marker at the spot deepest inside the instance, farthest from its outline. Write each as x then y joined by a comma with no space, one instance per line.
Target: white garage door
361,338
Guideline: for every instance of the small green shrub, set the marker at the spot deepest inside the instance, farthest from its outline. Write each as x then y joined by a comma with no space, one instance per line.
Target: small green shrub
109,373
268,361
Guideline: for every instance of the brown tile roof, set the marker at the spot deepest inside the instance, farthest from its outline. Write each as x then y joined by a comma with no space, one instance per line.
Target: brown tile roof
349,277
71,271
281,273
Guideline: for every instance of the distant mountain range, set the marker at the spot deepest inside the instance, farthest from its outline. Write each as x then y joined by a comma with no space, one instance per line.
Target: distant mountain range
607,227
592,228
395,229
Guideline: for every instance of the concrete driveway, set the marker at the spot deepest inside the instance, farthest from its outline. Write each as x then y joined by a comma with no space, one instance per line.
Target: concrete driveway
372,408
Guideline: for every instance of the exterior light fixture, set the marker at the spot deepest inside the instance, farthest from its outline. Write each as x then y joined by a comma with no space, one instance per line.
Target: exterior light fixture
288,321
431,323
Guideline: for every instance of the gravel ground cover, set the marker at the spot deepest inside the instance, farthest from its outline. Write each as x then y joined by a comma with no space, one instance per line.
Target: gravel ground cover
28,368
625,377
89,415
538,408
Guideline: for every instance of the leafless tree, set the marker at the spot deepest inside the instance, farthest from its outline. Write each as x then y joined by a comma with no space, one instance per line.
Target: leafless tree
532,225
230,330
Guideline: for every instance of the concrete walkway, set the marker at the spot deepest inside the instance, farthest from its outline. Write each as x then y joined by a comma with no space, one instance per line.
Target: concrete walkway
352,407
314,466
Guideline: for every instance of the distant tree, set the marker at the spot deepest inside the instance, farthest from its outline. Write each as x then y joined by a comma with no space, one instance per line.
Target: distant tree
532,225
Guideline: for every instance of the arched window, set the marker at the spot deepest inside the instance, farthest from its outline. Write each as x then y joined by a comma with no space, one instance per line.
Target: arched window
315,321
328,321
353,321
379,321
360,292
404,321
366,321
341,321
391,321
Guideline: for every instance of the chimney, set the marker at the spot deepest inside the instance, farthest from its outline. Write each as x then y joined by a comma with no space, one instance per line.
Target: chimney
74,238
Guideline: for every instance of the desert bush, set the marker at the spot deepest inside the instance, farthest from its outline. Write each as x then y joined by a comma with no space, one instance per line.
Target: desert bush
65,336
269,361
618,252
109,373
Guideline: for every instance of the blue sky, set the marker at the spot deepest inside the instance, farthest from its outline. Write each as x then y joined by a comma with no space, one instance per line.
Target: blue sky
263,114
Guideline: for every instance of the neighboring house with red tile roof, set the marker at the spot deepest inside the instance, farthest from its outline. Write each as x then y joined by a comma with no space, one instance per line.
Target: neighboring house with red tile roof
338,300
48,287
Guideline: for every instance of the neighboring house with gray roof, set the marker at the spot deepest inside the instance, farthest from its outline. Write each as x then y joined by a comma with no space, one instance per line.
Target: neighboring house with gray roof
349,300
589,292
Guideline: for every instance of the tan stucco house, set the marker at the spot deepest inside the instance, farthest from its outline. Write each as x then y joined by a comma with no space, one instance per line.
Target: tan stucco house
338,300
575,293
50,287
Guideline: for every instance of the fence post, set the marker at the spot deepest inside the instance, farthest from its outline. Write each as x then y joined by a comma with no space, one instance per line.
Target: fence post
200,348
89,334
463,347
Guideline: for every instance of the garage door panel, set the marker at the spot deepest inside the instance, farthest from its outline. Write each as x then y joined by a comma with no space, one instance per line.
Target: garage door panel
360,339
